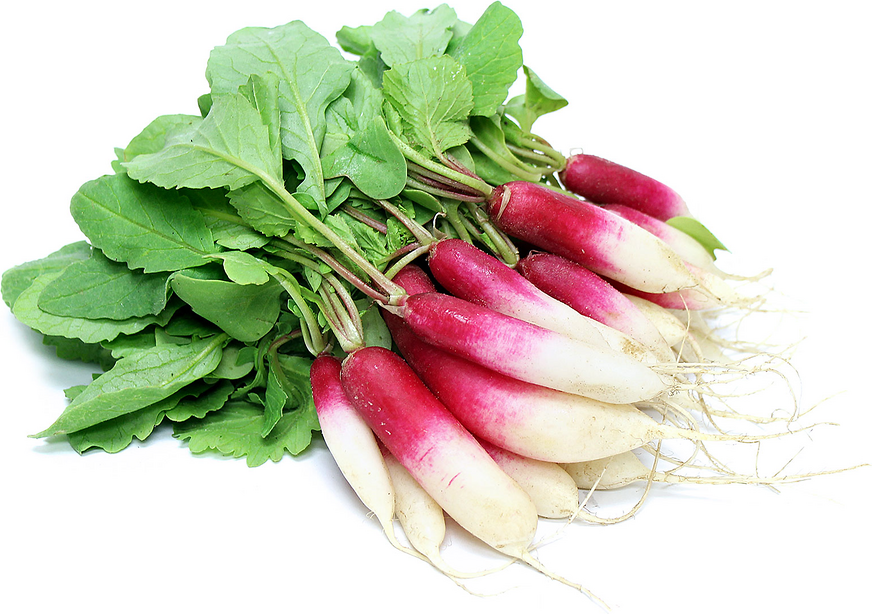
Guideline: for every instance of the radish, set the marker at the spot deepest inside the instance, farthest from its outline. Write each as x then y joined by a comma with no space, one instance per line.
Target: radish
604,182
688,248
551,488
528,352
353,445
591,295
602,241
442,456
530,420
676,333
469,273
712,293
422,519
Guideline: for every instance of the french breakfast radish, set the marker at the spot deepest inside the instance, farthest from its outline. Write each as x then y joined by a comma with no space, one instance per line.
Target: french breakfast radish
421,518
551,488
602,241
528,352
442,456
352,444
591,295
688,249
530,420
603,182
473,275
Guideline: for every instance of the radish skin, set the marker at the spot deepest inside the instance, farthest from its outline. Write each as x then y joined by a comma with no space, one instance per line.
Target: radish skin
352,444
528,352
603,182
438,451
592,296
422,519
598,239
469,273
551,488
530,420
688,249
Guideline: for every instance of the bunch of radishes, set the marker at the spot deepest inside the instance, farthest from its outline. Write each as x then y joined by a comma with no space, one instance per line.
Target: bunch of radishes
518,386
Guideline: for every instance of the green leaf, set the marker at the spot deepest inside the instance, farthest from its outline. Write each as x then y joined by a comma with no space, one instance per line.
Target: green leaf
153,137
357,144
538,100
18,278
261,209
237,361
246,312
425,34
371,160
101,288
235,431
214,399
434,98
230,147
138,381
274,402
228,228
492,57
356,41
116,434
27,310
312,74
126,345
142,225
375,331
243,268
76,349
694,228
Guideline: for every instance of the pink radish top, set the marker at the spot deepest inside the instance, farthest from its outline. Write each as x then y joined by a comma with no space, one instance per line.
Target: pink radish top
587,234
604,182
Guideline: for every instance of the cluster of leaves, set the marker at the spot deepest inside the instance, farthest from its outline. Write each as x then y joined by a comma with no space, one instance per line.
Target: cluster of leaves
209,276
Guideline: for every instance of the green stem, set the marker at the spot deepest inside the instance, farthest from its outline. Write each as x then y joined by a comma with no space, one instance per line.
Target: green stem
515,167
419,232
330,261
456,220
409,153
399,264
304,216
506,250
311,331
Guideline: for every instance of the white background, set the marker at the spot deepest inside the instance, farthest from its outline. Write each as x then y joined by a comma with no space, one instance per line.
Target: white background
756,112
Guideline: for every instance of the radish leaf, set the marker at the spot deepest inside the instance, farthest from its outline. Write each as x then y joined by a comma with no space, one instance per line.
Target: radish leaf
700,233
18,278
89,330
492,57
142,225
433,98
312,74
236,431
138,381
245,312
101,288
538,100
425,34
